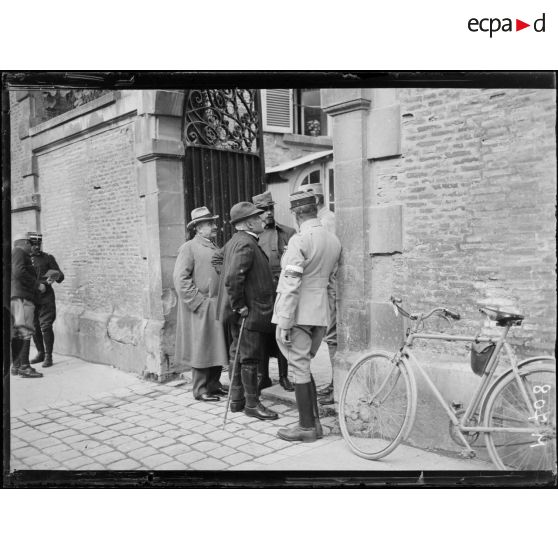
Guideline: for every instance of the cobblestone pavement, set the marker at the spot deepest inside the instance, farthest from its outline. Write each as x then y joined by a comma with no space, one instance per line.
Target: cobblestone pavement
144,425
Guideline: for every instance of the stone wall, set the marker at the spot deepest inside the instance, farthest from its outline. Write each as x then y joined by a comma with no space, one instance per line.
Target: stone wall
280,148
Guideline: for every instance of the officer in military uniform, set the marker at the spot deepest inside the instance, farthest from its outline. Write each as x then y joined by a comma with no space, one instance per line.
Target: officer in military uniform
273,240
48,272
303,308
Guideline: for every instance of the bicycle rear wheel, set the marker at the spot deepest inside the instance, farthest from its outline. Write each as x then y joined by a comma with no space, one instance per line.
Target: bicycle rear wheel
506,408
377,405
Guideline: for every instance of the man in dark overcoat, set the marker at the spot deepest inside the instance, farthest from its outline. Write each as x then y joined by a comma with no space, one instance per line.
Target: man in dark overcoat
48,272
200,338
273,240
246,292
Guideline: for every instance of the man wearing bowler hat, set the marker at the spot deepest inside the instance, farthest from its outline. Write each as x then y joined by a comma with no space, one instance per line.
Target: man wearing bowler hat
200,339
303,308
273,240
246,293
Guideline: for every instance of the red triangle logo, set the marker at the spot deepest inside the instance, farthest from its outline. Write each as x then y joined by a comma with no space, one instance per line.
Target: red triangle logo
519,25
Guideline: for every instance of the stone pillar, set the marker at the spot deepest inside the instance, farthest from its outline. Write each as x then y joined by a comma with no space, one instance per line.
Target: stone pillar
349,111
159,150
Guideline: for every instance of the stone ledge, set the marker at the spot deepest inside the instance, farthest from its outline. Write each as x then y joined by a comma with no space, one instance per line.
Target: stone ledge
154,149
348,106
311,141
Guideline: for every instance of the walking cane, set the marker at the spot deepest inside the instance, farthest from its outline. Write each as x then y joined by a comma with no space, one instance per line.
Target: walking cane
233,372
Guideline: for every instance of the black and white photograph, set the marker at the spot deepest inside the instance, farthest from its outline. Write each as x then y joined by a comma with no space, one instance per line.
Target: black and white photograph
275,273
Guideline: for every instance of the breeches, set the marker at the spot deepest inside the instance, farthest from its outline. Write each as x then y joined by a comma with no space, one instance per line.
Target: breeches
305,342
23,312
45,314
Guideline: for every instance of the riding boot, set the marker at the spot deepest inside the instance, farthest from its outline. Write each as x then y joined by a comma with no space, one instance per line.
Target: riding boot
39,345
253,408
306,429
48,336
237,390
25,369
284,373
264,381
16,350
315,408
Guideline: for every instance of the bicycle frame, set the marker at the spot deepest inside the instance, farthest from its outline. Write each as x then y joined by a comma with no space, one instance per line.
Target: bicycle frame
486,379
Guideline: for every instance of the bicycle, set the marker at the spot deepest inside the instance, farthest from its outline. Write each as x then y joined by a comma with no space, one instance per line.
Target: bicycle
515,411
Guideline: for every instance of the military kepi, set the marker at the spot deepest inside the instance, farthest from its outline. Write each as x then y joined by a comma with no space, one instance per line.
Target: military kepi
300,199
35,238
263,201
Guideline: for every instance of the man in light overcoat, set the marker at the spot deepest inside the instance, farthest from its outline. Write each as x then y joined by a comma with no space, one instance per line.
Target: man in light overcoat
303,308
200,338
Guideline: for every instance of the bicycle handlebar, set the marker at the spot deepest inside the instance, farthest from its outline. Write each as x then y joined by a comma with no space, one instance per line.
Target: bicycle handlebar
396,301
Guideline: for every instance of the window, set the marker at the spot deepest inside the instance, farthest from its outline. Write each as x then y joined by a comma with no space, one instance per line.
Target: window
293,111
314,175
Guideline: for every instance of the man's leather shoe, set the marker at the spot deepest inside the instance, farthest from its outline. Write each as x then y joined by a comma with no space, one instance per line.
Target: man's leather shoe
285,383
260,412
29,372
298,434
326,399
39,358
15,371
325,391
48,361
221,391
207,397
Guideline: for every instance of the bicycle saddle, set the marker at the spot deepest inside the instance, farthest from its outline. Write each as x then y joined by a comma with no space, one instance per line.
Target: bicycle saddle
501,317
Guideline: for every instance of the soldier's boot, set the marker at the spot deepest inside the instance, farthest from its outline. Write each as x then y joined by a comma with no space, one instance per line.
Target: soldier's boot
48,335
253,408
25,369
16,351
264,381
284,373
316,410
237,390
38,340
306,429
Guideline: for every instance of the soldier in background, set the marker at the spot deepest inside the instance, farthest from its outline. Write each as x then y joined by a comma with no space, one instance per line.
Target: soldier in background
24,289
302,312
47,271
273,240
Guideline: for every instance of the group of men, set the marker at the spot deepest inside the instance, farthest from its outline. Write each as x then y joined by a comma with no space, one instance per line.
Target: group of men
270,292
33,304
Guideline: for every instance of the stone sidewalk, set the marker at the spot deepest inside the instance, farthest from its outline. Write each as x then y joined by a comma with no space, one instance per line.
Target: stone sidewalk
143,425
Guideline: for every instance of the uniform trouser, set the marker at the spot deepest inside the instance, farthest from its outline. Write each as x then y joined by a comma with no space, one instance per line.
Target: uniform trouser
206,380
45,314
305,342
23,312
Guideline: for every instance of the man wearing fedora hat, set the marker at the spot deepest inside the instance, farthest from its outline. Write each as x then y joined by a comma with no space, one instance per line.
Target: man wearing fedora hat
303,308
246,292
200,339
273,240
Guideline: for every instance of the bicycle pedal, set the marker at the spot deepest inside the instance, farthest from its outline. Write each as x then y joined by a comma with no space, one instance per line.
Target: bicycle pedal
468,454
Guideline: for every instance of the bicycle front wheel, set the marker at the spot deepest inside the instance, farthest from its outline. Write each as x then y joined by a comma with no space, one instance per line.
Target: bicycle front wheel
534,449
377,405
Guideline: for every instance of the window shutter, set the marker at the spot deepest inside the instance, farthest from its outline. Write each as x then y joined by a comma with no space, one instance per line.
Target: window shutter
277,105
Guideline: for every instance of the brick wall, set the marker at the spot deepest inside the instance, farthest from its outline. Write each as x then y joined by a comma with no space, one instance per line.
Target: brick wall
16,147
477,180
90,221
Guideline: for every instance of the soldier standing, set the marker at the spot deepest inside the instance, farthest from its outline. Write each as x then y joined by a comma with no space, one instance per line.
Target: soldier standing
303,308
48,272
273,240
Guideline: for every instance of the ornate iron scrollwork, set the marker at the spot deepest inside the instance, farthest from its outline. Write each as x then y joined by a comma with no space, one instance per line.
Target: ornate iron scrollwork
223,118
53,102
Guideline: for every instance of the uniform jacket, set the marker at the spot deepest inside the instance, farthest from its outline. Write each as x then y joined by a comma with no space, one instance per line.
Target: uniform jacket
200,339
246,280
24,279
274,241
43,262
306,290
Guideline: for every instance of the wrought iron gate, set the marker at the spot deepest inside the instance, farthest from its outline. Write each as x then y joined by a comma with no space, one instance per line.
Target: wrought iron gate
223,161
